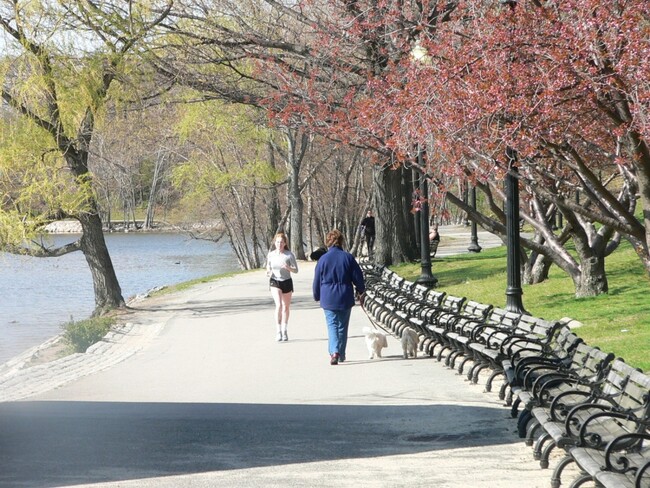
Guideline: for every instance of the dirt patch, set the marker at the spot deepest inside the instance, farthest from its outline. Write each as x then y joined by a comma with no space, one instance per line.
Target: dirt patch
49,352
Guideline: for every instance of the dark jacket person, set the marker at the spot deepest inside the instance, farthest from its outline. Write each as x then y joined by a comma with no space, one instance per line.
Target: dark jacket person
336,278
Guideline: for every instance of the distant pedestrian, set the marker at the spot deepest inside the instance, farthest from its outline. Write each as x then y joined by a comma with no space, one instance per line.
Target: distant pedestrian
434,235
336,278
368,228
280,263
434,240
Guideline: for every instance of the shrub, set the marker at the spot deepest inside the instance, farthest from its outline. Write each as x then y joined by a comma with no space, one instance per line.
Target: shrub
83,334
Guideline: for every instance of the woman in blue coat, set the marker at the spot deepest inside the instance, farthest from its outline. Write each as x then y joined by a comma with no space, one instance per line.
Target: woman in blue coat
336,279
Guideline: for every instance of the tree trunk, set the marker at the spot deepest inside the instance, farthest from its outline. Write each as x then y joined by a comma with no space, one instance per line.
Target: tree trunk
108,294
151,203
294,160
274,213
592,280
392,242
537,265
255,241
536,269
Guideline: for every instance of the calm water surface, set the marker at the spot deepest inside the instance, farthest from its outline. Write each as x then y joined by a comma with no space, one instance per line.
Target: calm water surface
38,295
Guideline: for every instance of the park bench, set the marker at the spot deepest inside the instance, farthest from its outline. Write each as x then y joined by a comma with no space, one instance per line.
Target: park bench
521,368
526,365
417,299
373,304
431,306
392,300
384,314
587,368
574,396
420,317
374,275
390,288
392,307
473,314
404,294
499,323
420,302
567,356
584,422
619,391
625,462
438,322
496,342
467,331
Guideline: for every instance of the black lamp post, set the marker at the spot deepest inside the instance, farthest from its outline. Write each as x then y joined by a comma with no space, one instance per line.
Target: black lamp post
513,268
426,277
416,215
473,246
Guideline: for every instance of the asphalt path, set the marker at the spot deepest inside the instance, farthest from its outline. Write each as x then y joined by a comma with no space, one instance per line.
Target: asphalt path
194,391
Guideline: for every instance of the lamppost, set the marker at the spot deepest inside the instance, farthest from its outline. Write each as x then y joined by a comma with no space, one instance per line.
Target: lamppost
415,197
426,277
473,246
421,56
513,266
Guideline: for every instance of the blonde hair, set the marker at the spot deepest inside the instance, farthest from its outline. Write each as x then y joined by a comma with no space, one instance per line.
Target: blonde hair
334,238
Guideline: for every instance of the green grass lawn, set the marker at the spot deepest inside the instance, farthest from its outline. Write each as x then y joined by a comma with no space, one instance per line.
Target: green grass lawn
617,322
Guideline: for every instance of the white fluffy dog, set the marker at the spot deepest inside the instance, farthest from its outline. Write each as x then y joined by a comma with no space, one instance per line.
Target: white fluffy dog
410,341
375,341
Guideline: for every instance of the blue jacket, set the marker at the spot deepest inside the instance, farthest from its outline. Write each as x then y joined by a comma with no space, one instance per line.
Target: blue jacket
337,274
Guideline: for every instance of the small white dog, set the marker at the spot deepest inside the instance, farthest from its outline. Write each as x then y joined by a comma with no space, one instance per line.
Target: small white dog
410,341
375,341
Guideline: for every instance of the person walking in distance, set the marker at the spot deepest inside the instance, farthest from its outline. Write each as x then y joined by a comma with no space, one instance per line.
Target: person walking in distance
280,263
434,235
336,277
368,227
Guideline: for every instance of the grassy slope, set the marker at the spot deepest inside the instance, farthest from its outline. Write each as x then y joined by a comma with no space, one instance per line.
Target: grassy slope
618,322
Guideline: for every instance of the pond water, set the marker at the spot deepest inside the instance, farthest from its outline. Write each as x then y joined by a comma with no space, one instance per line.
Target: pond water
38,295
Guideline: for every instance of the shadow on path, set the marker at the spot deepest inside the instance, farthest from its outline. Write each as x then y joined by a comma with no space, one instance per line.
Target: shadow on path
57,443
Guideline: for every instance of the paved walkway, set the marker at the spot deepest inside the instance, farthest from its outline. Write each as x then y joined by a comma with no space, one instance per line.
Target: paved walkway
193,391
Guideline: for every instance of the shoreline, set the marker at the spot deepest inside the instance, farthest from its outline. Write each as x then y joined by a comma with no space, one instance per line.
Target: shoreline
74,227
55,347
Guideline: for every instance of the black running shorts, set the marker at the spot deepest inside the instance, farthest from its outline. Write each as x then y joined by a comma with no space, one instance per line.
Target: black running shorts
286,286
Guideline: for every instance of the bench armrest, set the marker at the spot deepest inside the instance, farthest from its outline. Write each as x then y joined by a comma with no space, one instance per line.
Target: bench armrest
564,403
522,342
477,332
619,463
589,435
531,364
551,379
543,357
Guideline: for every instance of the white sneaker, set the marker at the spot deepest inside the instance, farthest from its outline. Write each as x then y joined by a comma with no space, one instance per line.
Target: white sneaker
285,337
278,337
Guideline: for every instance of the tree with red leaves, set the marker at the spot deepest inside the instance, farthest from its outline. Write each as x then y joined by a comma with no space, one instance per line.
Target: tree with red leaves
565,85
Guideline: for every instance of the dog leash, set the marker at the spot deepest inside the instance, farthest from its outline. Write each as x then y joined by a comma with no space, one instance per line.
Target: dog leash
374,322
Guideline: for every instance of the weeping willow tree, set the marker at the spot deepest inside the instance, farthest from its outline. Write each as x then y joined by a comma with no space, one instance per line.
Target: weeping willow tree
63,64
35,187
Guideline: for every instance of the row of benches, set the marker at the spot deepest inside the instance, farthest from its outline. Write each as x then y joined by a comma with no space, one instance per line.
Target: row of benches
572,396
